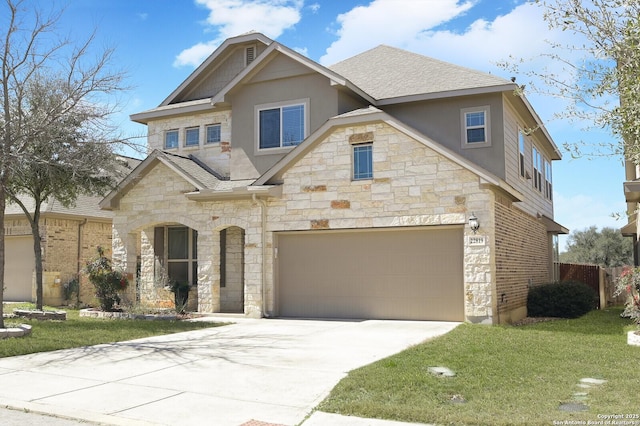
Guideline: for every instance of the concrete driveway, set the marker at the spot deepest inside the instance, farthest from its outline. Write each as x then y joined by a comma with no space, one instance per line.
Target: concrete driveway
269,370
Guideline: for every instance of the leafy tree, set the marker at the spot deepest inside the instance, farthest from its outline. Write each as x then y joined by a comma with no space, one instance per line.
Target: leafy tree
606,248
63,161
602,87
31,51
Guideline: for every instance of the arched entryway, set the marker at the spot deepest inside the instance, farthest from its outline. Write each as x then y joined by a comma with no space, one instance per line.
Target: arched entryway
232,270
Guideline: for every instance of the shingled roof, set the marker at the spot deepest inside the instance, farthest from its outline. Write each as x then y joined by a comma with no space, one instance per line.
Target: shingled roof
386,72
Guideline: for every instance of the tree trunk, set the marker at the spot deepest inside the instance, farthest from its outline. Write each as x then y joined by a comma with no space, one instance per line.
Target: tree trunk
2,206
37,251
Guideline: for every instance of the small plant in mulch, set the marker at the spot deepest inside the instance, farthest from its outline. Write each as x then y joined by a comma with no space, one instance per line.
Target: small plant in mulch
180,290
108,281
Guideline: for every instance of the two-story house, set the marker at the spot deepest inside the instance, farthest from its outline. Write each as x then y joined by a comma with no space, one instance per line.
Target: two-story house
390,185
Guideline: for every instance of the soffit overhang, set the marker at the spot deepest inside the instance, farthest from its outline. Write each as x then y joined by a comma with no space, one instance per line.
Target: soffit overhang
552,226
630,229
632,191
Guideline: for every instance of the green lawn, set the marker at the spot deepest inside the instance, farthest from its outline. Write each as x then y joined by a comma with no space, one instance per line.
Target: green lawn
76,332
507,375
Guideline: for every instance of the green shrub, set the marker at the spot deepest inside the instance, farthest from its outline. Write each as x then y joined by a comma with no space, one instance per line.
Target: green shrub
568,299
107,281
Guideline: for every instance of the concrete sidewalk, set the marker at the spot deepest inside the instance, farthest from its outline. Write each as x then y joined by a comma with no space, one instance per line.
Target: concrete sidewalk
270,370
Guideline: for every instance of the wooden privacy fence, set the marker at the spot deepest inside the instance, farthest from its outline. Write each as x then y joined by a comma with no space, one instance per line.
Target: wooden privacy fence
599,279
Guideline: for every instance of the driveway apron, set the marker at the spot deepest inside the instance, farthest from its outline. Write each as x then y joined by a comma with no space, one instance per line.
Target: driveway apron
268,370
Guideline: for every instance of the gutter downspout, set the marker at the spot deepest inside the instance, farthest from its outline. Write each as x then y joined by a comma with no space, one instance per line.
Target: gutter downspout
263,215
80,227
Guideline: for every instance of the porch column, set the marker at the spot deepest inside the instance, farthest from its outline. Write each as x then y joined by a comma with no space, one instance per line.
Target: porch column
208,271
124,256
147,267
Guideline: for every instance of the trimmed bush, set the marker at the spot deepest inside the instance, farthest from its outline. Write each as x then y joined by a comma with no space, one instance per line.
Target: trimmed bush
567,299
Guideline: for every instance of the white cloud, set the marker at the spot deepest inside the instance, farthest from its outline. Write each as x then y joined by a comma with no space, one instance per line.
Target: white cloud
229,18
580,211
392,22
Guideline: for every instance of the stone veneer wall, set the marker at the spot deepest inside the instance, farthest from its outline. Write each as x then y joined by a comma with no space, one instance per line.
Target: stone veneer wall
159,199
522,256
412,186
231,296
216,155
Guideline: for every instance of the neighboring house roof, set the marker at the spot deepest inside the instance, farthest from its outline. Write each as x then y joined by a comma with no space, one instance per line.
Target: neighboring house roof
387,73
373,114
202,177
84,206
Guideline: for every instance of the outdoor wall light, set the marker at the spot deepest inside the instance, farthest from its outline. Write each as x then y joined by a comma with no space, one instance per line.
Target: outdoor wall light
474,224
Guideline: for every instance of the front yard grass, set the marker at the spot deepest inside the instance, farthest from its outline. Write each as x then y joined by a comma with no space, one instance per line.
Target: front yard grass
77,331
507,375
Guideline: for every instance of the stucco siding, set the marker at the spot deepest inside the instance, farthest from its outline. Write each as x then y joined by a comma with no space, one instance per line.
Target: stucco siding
321,98
440,120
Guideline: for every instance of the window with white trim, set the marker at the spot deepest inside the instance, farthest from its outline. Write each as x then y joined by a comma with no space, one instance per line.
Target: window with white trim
363,161
537,169
213,133
521,151
192,136
171,139
548,182
475,127
281,126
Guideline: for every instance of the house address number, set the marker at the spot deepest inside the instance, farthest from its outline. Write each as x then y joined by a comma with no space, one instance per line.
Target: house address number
477,240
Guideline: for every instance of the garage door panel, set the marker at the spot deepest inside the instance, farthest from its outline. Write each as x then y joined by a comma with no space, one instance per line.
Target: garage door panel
19,266
394,274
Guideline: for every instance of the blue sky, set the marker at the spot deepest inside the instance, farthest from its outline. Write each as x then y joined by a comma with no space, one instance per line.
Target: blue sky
159,42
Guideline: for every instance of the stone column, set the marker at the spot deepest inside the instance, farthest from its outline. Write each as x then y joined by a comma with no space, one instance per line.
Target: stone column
208,271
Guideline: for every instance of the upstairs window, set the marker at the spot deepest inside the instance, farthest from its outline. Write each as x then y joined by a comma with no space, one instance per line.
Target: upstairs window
548,186
281,126
475,127
537,169
521,151
171,139
192,136
362,161
213,133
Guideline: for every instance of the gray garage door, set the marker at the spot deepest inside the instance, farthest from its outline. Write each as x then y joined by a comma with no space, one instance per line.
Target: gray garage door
19,267
410,274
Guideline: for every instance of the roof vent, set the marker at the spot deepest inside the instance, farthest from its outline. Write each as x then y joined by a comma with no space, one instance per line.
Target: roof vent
249,54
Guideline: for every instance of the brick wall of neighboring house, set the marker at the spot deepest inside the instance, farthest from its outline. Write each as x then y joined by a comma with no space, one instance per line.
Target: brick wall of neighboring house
60,250
522,258
59,239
